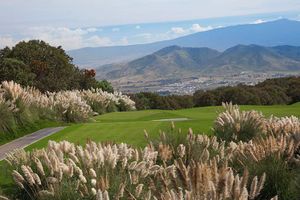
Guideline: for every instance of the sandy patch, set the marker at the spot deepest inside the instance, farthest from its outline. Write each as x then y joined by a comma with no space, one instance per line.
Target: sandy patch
171,120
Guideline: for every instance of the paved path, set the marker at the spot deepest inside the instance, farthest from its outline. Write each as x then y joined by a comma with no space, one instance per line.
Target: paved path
27,140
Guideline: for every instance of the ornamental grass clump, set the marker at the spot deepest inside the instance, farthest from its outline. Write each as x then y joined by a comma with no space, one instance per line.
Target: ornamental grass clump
235,125
23,106
7,122
263,145
189,147
69,106
118,171
284,126
102,101
177,166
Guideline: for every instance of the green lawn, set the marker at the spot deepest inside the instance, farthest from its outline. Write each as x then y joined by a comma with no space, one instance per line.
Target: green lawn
129,127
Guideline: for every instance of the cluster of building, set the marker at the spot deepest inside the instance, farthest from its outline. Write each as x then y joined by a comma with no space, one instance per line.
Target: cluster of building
212,82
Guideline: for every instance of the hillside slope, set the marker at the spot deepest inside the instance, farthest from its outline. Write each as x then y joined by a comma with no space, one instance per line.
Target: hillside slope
169,61
183,62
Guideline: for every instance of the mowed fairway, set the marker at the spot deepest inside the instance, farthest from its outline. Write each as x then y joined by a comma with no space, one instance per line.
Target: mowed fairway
128,127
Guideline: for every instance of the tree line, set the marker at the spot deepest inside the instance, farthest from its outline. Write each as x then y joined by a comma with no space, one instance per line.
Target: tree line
269,92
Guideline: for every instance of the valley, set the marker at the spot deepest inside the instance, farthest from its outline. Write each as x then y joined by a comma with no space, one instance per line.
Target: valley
183,70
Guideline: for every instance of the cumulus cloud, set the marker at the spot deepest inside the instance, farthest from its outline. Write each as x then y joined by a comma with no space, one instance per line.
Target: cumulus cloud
95,41
199,28
91,30
259,21
178,30
194,28
124,41
68,38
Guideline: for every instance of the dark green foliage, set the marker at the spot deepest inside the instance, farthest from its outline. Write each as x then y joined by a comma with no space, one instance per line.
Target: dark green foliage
269,92
148,100
13,69
36,63
281,178
202,98
105,86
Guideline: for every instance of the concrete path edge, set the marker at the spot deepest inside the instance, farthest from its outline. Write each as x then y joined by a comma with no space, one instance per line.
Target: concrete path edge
27,140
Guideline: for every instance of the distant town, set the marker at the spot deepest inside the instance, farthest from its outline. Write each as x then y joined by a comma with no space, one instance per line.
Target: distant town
212,82
205,82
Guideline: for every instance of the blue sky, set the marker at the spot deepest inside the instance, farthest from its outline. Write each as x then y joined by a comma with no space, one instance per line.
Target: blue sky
91,23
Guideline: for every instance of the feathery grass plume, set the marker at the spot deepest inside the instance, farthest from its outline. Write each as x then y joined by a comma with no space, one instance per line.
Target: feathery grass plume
101,100
274,155
3,198
199,167
21,106
284,126
100,172
236,125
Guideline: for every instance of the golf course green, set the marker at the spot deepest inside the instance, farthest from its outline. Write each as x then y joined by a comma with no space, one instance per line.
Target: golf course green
128,127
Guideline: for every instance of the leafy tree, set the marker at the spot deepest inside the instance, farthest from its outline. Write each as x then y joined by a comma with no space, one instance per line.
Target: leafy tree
48,68
12,69
52,66
105,86
202,98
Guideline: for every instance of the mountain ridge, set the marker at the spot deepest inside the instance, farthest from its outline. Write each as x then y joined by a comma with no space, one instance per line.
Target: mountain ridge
283,31
179,62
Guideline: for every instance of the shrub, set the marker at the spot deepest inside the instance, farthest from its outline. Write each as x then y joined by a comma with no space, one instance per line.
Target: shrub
236,125
121,172
23,106
276,157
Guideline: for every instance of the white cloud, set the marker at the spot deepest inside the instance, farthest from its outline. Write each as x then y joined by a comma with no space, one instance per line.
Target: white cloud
95,41
178,30
6,41
259,21
144,35
67,38
199,28
194,28
115,29
137,27
124,41
91,30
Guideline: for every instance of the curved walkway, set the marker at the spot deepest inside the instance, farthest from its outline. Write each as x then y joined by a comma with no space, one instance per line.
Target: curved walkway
27,140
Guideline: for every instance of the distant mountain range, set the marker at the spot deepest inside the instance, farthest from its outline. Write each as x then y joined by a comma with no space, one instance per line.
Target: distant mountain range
275,33
184,62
